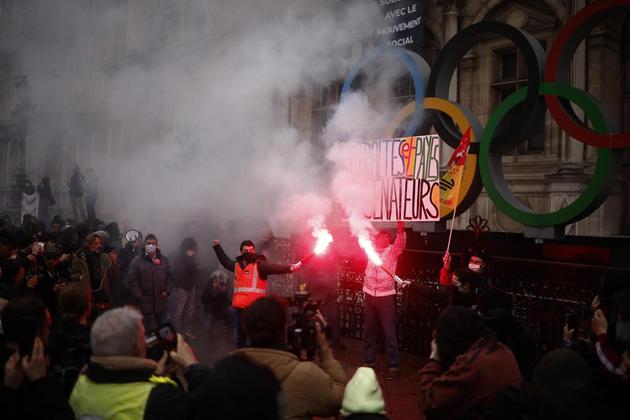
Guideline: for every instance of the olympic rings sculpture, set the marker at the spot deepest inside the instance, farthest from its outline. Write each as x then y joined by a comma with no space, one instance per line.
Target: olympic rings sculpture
514,118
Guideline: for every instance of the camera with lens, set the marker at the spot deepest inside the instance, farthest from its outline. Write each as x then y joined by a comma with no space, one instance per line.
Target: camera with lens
301,335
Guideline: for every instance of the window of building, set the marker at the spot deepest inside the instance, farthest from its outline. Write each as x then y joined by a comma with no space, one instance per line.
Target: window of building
509,75
324,100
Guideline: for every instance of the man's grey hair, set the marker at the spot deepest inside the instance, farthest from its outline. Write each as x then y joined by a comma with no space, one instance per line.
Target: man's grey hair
218,275
117,333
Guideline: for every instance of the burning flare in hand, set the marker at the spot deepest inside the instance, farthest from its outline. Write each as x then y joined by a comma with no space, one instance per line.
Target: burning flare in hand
323,236
368,247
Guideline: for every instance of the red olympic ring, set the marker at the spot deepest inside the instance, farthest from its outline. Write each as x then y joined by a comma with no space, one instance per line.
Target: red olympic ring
555,75
557,66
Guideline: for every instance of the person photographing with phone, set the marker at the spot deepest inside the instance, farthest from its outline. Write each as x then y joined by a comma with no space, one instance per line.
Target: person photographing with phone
27,390
51,279
121,382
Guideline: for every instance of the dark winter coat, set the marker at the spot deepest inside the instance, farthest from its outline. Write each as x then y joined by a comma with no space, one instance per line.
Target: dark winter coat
80,271
518,339
150,282
264,268
215,300
45,194
471,383
186,271
46,282
75,185
126,255
121,295
69,352
42,399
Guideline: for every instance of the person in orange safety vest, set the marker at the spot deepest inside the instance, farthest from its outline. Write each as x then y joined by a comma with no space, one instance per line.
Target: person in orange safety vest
250,279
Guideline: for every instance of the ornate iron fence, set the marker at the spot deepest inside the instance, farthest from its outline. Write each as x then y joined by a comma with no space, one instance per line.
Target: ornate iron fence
542,291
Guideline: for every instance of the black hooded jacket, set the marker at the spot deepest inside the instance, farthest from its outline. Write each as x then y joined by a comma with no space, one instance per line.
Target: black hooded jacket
186,271
264,268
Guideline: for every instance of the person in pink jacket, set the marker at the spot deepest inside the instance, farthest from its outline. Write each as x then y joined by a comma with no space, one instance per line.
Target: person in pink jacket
380,299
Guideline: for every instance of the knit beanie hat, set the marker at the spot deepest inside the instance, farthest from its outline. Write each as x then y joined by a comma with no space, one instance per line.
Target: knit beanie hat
363,394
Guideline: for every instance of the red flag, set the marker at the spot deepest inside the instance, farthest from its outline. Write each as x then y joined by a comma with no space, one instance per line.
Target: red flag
451,181
461,152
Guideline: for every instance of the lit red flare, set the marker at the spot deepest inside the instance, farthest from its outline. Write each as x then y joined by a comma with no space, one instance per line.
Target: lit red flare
368,247
324,238
321,234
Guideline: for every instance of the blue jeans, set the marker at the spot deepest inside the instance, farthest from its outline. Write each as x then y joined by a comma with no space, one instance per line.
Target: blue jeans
380,310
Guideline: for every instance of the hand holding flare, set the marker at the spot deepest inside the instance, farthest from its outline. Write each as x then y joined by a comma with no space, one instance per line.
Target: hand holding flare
368,247
323,236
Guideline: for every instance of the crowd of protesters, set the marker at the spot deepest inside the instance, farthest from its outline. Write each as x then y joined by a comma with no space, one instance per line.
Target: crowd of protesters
77,305
483,360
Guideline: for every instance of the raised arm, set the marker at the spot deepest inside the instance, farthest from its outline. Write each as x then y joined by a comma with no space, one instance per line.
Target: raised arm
401,240
225,261
266,268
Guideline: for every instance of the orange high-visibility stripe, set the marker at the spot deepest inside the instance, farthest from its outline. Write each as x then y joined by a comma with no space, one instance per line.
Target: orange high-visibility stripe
248,287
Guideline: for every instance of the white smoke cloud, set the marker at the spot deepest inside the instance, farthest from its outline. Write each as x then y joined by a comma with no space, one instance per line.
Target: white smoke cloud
181,109
354,120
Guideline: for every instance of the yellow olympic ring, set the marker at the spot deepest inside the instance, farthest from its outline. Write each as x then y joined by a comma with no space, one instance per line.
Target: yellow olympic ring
471,180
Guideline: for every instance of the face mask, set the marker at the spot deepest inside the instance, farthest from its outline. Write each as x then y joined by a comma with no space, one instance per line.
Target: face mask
150,248
248,255
474,267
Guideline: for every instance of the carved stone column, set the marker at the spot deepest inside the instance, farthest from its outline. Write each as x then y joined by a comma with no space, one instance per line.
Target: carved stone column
573,150
449,25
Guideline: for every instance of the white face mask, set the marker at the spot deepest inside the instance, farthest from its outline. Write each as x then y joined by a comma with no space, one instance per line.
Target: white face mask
476,267
150,248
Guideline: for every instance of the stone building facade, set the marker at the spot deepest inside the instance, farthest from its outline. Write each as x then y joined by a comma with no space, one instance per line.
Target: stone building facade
546,172
550,169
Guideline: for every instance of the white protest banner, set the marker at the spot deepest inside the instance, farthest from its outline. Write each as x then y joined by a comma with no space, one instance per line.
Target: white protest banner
401,178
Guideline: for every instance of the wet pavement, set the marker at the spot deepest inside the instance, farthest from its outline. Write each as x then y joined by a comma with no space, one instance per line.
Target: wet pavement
400,393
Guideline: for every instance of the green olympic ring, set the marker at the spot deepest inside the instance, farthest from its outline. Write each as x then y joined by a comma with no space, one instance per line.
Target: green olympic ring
606,169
